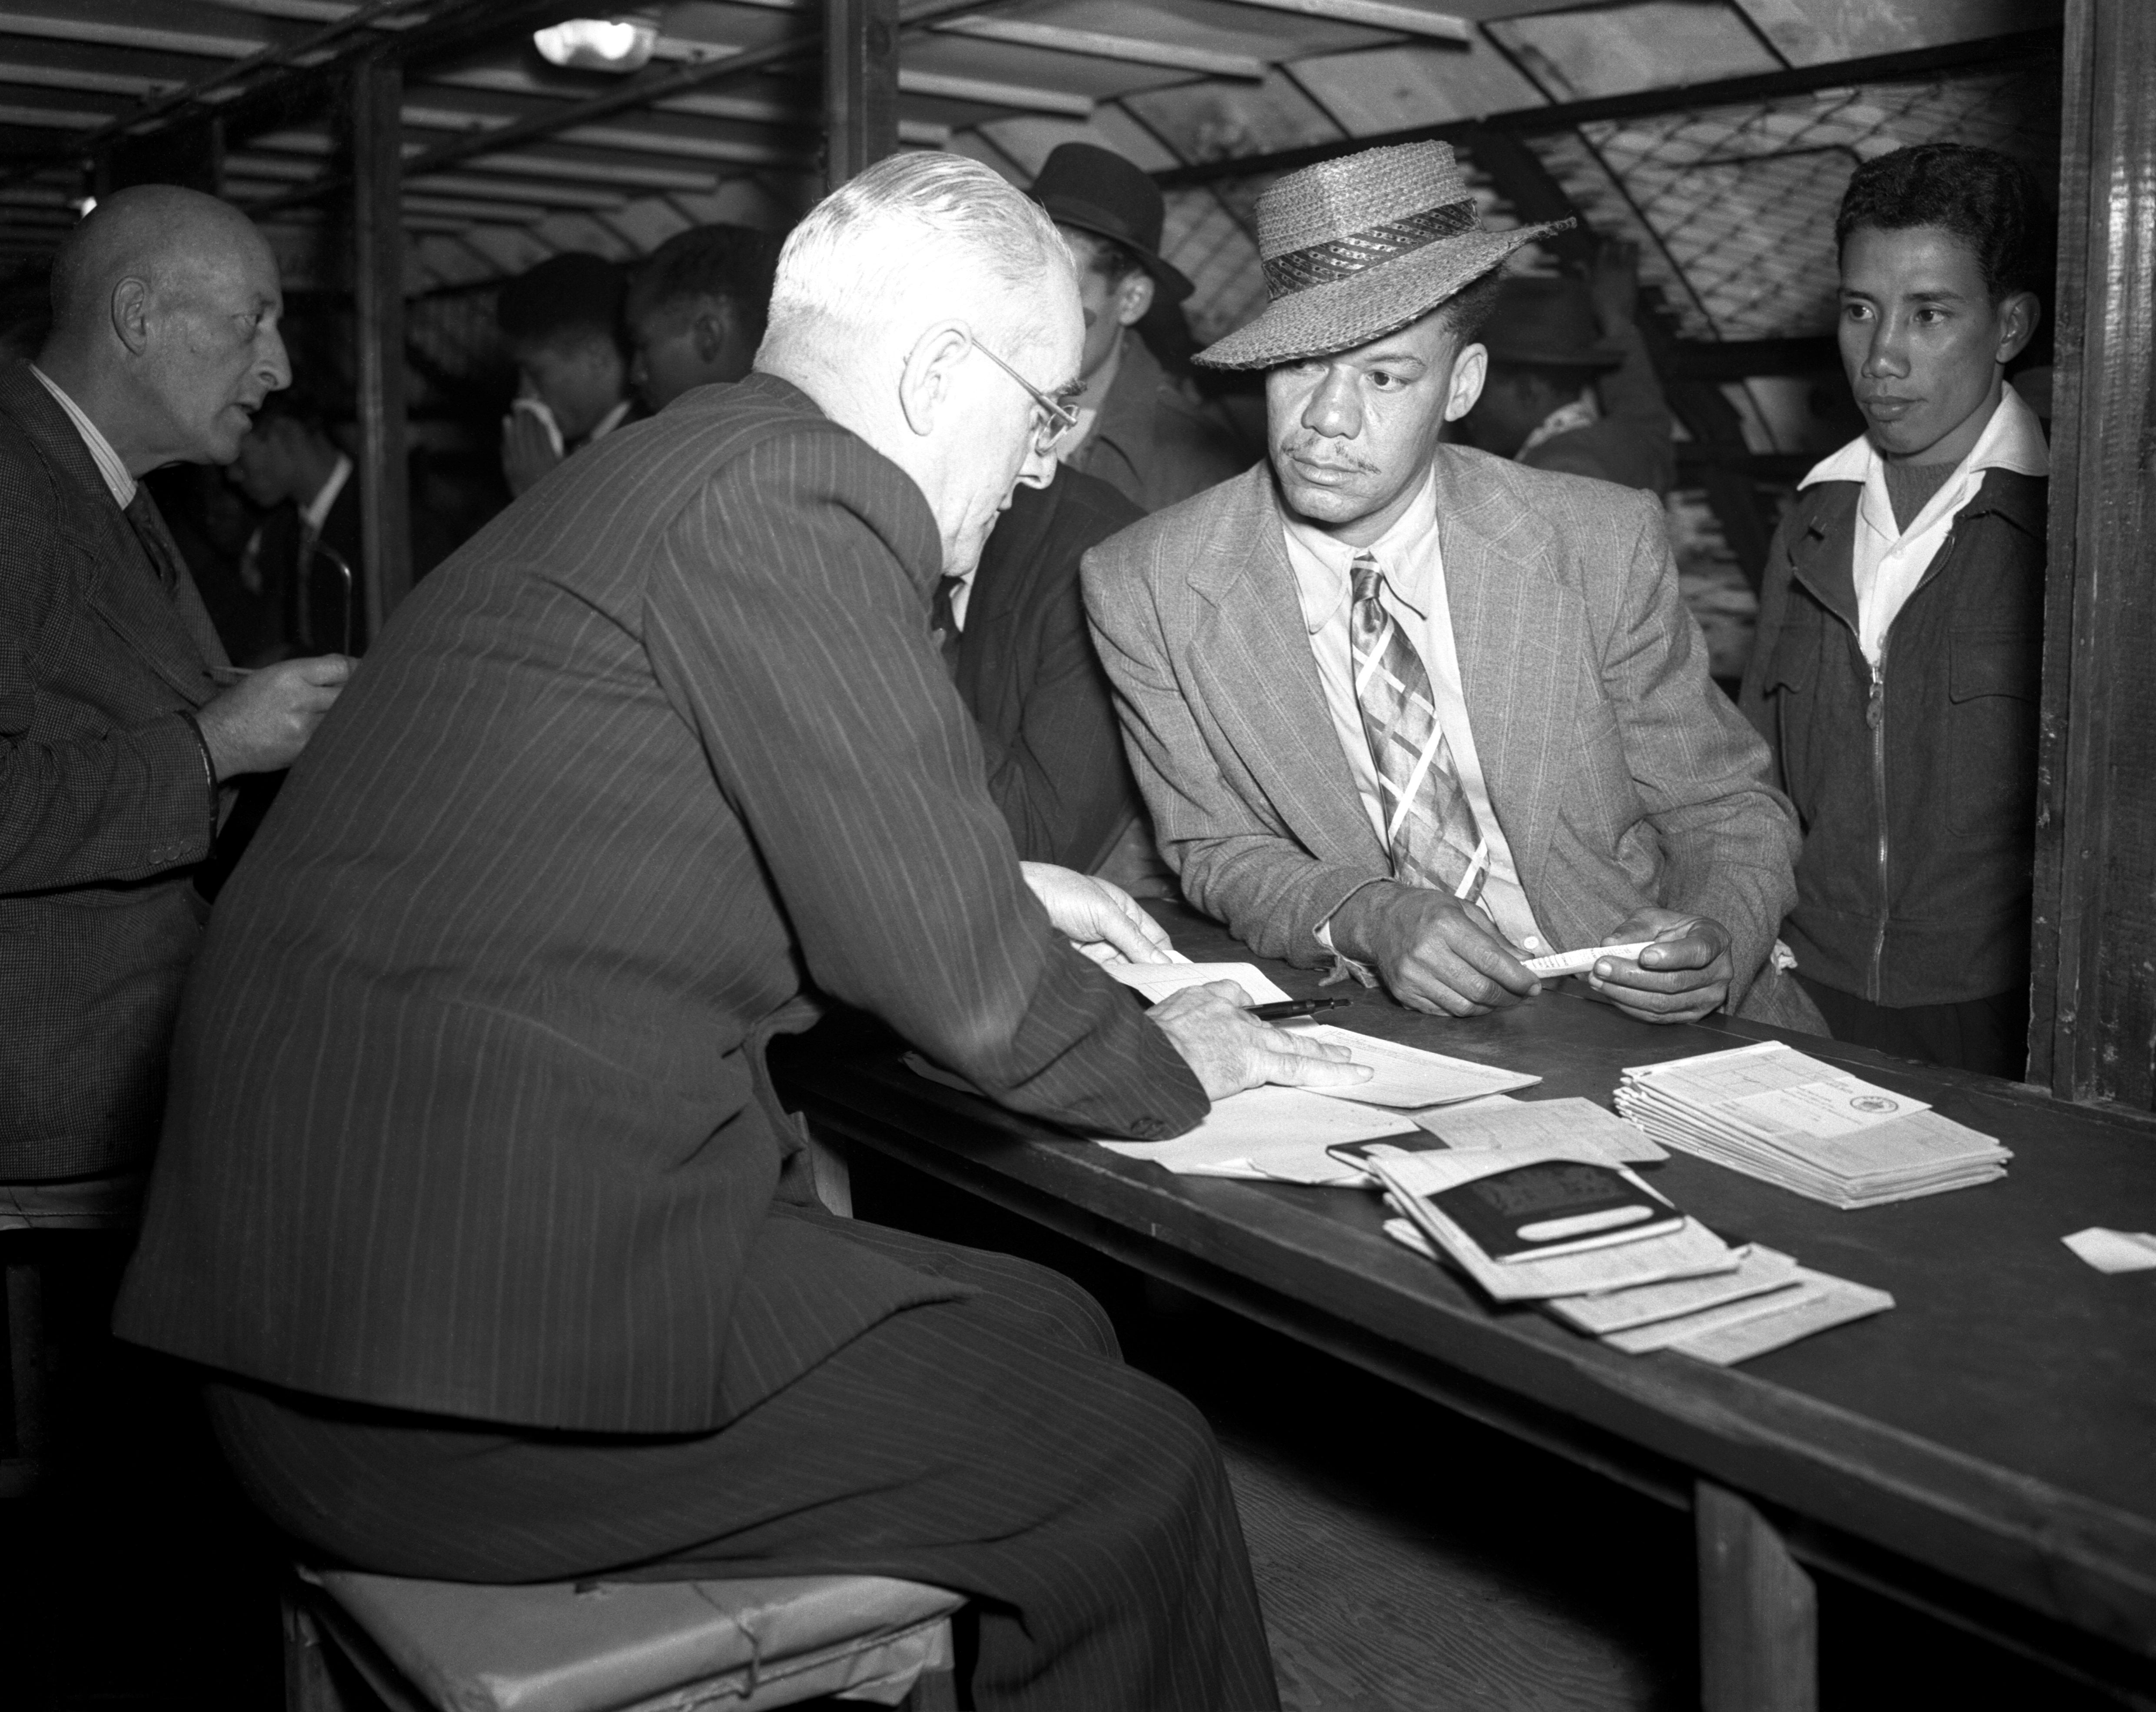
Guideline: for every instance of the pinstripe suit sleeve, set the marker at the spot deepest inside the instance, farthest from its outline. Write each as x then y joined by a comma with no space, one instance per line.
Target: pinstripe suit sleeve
1730,840
784,622
122,802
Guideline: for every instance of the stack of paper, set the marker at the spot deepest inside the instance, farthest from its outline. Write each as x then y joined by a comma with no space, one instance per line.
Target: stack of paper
1768,1301
1774,1114
1490,1124
1688,1251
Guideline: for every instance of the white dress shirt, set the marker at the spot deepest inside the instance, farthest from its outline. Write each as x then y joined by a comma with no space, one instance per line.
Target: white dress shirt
1888,561
1413,566
117,481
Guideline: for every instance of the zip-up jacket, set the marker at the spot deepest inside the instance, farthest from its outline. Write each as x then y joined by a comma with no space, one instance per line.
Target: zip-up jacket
1915,785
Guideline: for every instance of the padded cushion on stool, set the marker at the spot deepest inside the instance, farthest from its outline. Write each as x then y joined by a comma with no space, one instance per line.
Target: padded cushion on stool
583,1647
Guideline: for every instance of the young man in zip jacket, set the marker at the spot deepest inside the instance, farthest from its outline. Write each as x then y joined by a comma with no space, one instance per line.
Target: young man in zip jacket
1896,666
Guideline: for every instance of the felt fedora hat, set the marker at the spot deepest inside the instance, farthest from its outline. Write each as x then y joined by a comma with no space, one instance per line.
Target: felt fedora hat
1097,191
1359,247
1547,323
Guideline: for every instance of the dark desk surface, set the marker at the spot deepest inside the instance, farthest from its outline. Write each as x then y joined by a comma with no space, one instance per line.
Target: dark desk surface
1999,1425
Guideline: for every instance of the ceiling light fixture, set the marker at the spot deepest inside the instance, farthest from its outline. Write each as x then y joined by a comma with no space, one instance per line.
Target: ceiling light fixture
599,44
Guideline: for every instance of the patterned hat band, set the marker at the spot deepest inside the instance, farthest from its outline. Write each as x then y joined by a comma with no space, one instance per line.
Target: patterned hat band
1343,258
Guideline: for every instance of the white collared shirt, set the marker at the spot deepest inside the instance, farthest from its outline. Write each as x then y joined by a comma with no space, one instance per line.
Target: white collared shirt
609,423
117,481
1409,557
1887,561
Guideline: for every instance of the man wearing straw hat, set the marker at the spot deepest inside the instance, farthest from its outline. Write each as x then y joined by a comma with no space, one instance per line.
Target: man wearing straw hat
1410,709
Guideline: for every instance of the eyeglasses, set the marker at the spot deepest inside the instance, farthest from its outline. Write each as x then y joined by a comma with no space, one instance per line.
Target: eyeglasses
1056,418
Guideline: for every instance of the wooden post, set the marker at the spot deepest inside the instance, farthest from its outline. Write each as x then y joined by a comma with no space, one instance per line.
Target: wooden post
860,86
2093,1030
1759,1616
377,233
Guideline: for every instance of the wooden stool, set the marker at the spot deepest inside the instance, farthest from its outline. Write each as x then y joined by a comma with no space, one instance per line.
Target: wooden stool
28,1214
732,1646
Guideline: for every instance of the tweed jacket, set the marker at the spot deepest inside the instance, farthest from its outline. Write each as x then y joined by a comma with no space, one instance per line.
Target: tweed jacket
106,802
469,1111
1028,673
1622,776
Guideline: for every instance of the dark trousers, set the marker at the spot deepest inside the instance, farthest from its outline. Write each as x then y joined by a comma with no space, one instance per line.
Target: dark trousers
1987,1035
995,1445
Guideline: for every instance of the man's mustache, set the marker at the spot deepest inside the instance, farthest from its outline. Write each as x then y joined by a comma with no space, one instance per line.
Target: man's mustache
1311,448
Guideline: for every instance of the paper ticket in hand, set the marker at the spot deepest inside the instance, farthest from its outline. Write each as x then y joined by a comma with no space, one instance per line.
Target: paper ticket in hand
1579,962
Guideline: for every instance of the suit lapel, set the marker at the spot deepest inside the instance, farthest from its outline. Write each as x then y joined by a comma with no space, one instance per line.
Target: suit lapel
173,636
172,633
1251,653
1519,636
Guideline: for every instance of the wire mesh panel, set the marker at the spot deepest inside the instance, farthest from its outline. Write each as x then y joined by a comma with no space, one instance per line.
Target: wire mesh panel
1733,206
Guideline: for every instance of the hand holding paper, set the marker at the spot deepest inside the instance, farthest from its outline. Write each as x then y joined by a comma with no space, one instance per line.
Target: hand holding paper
1229,1050
1683,975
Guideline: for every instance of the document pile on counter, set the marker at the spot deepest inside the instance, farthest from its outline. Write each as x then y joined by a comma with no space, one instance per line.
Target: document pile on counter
1667,1288
1280,1134
1774,1114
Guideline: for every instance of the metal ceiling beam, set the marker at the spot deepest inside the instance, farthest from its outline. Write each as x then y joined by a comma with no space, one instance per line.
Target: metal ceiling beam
1099,44
985,93
1375,14
1924,62
642,91
83,78
57,28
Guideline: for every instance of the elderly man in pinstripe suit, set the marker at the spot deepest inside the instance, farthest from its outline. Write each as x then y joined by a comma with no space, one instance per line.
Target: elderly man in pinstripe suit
473,1199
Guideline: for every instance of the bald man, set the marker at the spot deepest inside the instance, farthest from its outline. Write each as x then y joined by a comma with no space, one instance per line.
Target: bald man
123,726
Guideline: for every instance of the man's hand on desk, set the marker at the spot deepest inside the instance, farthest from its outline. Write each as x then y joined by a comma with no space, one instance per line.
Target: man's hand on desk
1682,978
1433,953
1229,1050
1102,920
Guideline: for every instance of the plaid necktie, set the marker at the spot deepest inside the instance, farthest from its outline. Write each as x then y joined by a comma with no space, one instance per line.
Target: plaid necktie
943,619
1430,825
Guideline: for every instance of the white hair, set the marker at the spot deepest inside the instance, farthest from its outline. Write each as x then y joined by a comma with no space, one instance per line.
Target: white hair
916,238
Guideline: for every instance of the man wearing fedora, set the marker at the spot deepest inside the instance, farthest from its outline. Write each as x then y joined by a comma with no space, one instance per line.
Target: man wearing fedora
1137,430
1570,387
1417,711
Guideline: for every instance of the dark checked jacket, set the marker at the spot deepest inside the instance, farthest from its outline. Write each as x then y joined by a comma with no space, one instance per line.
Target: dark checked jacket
466,1112
107,803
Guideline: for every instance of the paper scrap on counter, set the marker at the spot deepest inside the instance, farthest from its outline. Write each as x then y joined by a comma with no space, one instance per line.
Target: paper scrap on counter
1156,980
1531,1123
2114,1251
1259,1123
1816,1303
1409,1077
1759,1270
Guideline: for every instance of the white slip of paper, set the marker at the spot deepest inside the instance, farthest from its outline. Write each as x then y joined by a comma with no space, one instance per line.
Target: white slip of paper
1819,1304
1157,981
1407,1076
2114,1251
1571,1122
1580,961
1260,1122
1759,1270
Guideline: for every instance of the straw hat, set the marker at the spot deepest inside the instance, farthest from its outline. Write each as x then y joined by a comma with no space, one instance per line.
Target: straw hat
1360,247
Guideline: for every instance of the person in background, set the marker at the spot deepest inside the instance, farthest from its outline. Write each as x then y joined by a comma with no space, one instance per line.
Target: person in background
1901,621
1414,712
1570,386
1137,429
289,465
696,309
562,320
664,764
123,726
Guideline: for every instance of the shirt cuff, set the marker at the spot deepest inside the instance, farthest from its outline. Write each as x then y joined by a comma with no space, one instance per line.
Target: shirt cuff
1343,965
